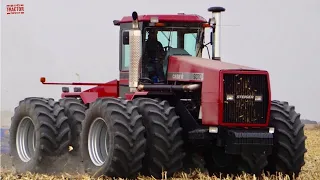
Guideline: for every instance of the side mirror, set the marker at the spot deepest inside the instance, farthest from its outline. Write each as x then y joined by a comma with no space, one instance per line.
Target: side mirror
125,38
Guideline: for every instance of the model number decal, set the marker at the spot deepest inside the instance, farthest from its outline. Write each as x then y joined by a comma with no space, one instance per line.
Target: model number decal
186,76
198,76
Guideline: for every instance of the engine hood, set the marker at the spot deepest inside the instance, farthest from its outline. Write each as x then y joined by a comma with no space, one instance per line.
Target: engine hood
209,73
192,63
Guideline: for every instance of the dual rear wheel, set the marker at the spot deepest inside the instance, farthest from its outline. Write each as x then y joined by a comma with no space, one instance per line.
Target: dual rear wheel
39,132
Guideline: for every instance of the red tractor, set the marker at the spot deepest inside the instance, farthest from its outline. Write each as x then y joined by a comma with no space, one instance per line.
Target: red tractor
168,105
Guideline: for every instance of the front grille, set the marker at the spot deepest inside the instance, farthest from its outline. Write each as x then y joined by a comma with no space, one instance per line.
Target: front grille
243,108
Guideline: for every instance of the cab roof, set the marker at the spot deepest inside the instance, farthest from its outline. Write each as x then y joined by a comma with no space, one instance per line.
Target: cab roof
192,18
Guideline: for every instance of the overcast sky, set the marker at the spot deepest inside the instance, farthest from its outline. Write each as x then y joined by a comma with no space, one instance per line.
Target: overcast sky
58,39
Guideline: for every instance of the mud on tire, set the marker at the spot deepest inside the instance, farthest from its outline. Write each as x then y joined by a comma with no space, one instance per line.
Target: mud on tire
75,111
289,140
164,139
125,142
38,133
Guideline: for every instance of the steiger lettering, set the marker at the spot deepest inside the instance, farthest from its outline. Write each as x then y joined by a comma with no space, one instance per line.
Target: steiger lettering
245,97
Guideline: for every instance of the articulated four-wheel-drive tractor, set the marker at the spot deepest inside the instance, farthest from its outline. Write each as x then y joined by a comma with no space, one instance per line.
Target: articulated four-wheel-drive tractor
206,108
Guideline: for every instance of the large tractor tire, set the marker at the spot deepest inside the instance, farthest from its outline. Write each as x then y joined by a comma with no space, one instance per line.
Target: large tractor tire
164,137
75,111
194,161
63,136
217,161
38,134
251,161
289,140
112,139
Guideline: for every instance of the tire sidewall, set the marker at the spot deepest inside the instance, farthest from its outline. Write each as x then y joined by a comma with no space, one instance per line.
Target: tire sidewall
20,166
281,117
153,111
92,114
149,130
75,126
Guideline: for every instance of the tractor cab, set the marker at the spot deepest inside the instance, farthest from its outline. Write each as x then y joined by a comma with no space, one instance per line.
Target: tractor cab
147,42
160,36
160,42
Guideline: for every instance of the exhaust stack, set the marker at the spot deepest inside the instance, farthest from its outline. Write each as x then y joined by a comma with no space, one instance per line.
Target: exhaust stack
135,52
215,22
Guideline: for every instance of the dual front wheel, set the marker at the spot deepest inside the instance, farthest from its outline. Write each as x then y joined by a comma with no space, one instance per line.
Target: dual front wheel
112,138
122,138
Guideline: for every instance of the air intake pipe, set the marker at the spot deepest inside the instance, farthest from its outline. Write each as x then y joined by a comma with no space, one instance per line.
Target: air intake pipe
135,53
215,23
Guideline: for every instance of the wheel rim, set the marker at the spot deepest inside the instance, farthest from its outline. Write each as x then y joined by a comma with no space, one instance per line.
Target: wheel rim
25,139
97,142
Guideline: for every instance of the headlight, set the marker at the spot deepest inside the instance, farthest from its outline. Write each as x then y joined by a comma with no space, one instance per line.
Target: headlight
230,97
258,98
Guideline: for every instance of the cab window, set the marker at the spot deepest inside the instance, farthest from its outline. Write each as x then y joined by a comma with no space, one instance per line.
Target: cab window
163,37
190,43
125,61
188,39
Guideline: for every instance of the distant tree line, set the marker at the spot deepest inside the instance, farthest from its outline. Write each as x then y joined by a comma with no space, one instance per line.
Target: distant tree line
307,121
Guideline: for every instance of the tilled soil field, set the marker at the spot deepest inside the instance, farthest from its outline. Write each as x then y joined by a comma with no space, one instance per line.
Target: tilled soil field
311,170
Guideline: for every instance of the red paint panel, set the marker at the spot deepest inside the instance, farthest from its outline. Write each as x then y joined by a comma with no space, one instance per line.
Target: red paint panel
70,94
167,18
131,96
210,85
110,89
124,78
124,81
89,97
196,64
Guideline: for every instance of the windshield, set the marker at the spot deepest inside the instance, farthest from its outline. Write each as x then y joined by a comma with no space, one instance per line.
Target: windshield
183,38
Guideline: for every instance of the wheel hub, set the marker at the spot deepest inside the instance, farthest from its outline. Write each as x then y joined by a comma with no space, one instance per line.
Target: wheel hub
97,142
25,139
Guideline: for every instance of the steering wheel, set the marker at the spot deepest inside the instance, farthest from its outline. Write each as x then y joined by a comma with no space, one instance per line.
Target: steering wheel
166,48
